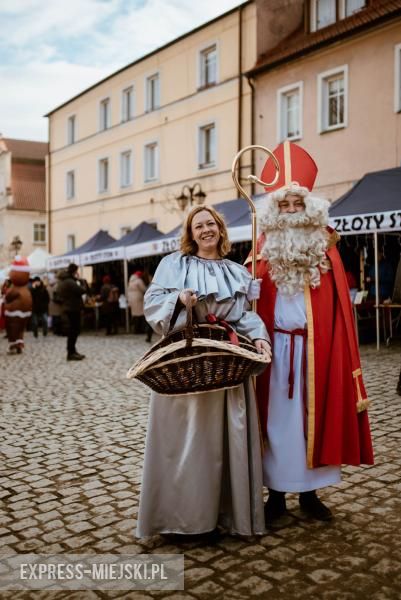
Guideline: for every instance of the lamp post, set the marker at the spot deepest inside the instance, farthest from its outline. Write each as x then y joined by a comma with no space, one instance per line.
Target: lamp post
189,196
16,245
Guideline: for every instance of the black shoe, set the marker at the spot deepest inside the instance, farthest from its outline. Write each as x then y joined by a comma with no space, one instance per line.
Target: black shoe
75,356
313,507
399,389
275,507
81,356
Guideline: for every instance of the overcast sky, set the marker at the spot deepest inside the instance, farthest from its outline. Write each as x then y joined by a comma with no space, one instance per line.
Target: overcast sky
50,50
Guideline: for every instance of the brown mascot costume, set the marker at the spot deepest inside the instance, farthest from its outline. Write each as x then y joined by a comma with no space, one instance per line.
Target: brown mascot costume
18,305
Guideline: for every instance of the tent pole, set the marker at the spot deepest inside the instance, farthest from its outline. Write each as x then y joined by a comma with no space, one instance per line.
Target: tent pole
375,242
126,294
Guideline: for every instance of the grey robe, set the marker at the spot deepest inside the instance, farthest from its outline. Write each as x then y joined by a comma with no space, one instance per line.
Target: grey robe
203,461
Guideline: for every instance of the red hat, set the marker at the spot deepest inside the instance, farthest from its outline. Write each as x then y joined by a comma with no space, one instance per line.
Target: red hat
297,168
20,263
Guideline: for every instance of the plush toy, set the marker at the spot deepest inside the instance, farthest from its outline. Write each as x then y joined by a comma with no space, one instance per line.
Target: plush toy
18,305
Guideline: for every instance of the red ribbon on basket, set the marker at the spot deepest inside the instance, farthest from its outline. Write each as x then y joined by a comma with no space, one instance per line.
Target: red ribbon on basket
213,320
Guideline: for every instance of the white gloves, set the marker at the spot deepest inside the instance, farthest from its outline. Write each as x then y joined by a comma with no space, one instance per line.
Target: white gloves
254,290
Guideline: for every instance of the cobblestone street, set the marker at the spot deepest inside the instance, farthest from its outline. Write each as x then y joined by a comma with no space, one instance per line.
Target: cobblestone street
72,437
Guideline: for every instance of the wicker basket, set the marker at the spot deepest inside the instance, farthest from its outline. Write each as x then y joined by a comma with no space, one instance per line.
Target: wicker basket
198,358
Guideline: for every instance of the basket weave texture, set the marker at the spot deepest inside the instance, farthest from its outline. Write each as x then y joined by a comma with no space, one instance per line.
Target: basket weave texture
198,358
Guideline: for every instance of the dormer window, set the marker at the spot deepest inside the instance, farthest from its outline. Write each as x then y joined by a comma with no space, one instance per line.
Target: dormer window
323,13
349,7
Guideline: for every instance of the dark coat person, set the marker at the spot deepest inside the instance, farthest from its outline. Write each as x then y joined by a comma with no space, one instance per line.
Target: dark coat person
40,306
70,291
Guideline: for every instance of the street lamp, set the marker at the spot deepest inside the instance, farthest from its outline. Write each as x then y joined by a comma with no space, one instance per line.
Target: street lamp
190,195
16,245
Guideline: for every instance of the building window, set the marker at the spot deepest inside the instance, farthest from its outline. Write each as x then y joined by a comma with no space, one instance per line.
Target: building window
152,92
289,112
127,104
126,168
151,161
397,78
39,233
349,7
208,66
207,146
70,185
103,175
323,13
71,130
70,242
333,99
104,114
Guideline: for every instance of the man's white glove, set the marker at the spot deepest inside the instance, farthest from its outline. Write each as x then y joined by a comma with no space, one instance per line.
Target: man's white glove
254,290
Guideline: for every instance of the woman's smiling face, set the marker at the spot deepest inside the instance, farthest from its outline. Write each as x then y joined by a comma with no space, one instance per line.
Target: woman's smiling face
205,232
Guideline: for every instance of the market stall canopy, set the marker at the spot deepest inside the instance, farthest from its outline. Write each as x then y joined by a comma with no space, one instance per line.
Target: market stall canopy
98,242
372,205
38,260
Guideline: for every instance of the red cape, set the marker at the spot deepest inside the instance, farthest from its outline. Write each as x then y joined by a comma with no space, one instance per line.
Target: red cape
338,425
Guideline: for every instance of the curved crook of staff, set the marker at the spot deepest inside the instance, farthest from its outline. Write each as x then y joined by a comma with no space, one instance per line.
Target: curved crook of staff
243,193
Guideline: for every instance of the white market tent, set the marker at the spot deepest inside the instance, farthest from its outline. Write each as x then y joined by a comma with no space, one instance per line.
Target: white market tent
38,260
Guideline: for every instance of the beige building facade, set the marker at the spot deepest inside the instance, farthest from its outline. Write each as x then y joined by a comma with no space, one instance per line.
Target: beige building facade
334,87
23,219
123,151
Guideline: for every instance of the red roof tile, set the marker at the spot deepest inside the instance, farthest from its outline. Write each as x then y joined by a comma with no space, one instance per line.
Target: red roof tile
301,42
27,149
28,186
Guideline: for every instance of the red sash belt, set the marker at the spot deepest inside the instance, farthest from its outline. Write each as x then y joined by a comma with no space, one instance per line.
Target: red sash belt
303,333
213,320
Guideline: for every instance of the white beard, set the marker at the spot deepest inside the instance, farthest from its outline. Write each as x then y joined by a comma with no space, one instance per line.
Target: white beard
295,248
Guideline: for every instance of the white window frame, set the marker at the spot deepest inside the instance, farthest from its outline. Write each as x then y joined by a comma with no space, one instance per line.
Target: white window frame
71,238
100,188
68,193
148,78
322,104
342,9
281,117
131,167
313,16
397,78
43,229
71,139
124,118
202,165
146,177
101,122
200,78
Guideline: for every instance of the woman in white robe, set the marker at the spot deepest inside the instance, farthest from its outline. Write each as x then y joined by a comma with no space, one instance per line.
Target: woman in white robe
203,459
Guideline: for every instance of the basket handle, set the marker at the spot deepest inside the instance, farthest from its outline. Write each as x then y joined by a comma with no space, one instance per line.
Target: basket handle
189,329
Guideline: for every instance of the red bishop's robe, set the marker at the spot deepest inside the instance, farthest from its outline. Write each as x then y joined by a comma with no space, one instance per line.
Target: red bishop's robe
338,425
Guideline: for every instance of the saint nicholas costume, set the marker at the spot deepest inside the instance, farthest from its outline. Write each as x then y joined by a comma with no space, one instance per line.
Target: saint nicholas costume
311,399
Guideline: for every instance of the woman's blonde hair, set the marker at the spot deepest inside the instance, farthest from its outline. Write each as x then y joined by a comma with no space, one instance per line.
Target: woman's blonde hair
188,246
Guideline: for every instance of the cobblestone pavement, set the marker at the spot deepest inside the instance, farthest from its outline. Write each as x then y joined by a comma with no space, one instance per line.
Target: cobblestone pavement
72,437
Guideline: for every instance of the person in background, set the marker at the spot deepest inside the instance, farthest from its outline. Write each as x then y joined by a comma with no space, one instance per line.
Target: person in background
70,291
40,306
146,278
54,305
136,292
386,278
109,294
18,304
